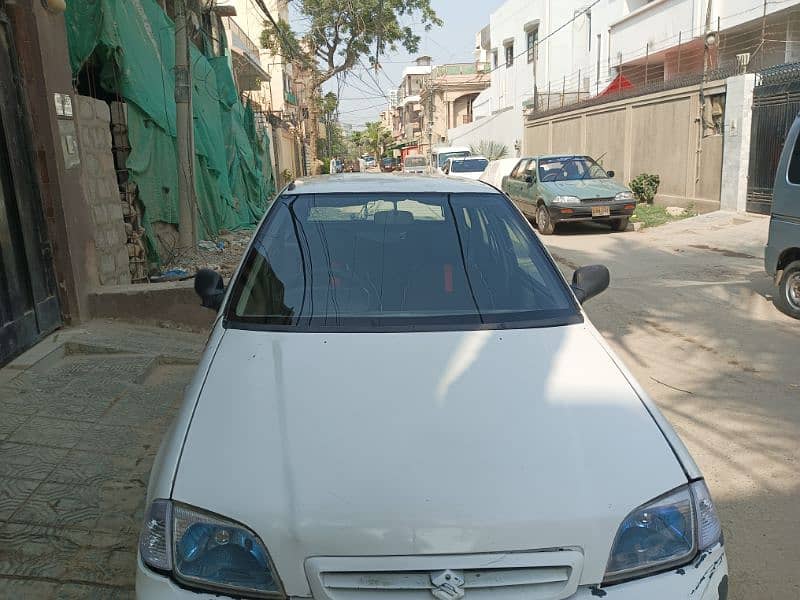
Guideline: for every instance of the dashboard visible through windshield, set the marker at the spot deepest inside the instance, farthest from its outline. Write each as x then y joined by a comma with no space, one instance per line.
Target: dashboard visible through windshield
420,261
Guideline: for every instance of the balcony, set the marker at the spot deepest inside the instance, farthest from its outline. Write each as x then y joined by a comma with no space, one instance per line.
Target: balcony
244,57
290,98
466,119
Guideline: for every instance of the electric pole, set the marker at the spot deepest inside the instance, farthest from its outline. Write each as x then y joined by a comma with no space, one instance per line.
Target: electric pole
184,130
429,86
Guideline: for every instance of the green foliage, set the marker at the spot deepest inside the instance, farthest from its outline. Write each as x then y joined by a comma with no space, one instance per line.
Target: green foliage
653,215
339,34
377,138
490,149
645,186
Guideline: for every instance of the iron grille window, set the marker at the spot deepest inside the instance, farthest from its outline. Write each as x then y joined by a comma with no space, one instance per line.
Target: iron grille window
509,55
533,40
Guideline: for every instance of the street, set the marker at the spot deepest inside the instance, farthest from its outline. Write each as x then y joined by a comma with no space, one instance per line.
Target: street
686,312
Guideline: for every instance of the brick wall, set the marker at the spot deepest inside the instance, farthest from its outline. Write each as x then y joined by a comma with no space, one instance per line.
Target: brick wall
99,182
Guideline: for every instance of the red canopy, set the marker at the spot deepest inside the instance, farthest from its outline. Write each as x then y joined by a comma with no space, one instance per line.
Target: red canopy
619,84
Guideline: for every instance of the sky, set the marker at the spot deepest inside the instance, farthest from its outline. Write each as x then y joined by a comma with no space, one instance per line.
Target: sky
362,99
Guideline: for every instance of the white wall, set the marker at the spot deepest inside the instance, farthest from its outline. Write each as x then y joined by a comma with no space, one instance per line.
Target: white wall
504,127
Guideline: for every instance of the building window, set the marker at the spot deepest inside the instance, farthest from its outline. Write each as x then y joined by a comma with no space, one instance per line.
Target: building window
532,42
494,58
509,55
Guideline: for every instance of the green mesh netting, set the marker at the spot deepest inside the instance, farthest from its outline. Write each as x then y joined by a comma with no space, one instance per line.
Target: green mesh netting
134,43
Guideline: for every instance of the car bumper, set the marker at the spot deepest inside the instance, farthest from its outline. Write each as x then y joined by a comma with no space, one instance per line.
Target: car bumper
705,579
564,213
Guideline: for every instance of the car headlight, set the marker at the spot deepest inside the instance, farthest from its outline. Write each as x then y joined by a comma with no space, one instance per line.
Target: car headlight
664,533
206,551
624,197
566,200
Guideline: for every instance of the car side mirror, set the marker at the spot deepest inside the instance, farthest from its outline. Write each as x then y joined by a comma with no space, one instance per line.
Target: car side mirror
610,174
209,286
529,179
589,281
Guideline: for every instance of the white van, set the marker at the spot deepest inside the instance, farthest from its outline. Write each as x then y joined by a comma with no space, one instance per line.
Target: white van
442,153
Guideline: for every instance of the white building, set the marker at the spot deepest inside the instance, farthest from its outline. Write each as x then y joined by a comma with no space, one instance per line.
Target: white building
550,54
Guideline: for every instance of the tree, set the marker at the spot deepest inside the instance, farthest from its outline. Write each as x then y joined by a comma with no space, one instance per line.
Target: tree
490,149
340,34
377,138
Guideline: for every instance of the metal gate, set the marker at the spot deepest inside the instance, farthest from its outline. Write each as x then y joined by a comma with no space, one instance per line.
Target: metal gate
776,103
28,303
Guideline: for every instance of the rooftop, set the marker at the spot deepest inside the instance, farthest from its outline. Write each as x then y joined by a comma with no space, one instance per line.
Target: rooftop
388,183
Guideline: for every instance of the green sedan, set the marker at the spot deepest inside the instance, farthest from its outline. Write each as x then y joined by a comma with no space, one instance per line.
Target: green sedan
552,189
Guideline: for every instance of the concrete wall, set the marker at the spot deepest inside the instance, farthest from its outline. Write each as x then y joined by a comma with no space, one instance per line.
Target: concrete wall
109,254
41,45
503,127
736,151
658,133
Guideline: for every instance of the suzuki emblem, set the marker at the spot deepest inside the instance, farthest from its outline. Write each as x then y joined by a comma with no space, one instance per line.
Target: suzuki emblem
447,585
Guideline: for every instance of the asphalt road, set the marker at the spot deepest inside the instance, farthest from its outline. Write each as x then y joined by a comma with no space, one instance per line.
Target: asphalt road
689,312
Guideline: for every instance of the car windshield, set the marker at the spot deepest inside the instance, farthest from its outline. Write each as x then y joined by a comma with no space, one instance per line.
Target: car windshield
416,161
469,165
569,168
367,261
443,156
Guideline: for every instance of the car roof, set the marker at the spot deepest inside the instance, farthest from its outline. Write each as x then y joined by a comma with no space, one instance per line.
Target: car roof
463,158
564,155
387,183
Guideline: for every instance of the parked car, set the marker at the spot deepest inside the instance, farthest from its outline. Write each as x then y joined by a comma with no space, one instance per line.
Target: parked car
470,167
369,160
352,166
498,169
442,153
388,406
415,163
552,189
782,253
388,165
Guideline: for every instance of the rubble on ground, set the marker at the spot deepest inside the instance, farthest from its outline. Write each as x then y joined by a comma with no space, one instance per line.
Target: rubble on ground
222,255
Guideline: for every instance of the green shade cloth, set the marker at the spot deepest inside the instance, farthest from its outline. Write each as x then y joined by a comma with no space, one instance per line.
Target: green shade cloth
133,43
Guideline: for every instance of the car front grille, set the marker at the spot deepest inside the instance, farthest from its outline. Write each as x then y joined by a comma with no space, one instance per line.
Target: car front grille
551,575
596,200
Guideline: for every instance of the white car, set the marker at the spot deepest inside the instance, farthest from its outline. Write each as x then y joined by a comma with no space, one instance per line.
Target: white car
401,397
467,167
498,169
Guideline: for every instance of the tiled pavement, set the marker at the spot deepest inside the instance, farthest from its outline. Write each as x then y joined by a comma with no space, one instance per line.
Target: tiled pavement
81,418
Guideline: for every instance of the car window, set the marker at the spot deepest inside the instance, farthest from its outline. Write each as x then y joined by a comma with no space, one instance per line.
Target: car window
570,168
519,170
366,262
416,161
794,163
468,165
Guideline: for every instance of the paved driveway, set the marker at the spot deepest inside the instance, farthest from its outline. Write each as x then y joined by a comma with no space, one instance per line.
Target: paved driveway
688,312
81,418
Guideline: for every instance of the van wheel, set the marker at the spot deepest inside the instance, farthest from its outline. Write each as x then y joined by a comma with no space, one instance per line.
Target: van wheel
543,222
787,299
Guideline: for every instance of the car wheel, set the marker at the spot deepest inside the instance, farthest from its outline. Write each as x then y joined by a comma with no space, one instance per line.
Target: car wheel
787,299
620,224
543,221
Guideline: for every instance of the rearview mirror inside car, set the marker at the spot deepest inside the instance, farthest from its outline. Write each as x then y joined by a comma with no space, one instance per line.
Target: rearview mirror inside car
589,281
529,179
610,173
209,286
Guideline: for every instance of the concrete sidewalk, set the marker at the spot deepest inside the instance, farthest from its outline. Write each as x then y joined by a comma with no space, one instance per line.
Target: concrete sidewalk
81,418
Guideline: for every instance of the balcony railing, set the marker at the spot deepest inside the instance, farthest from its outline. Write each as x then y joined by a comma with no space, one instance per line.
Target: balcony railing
466,119
290,98
461,69
239,39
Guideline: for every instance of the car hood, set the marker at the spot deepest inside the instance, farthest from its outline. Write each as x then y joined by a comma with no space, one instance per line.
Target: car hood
585,189
422,443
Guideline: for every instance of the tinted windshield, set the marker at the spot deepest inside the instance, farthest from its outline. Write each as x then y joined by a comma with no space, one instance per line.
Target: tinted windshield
443,156
470,165
367,261
416,161
569,168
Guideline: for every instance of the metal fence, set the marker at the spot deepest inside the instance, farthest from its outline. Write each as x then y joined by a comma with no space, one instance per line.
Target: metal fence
776,103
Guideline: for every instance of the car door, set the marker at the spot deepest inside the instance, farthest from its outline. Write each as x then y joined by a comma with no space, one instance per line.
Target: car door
514,181
529,193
